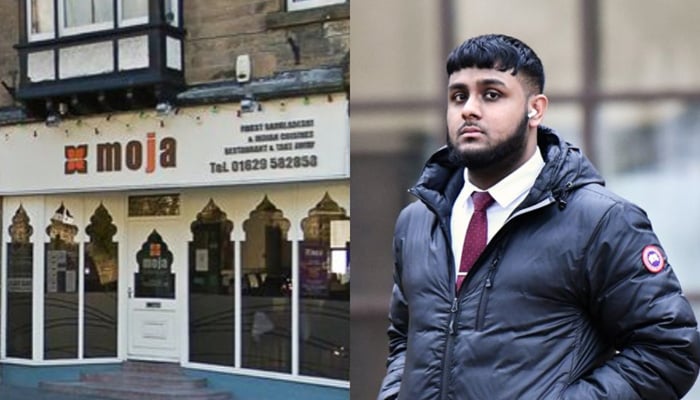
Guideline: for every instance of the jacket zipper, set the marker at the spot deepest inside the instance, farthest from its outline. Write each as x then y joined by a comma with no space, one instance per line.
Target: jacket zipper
483,299
451,333
451,329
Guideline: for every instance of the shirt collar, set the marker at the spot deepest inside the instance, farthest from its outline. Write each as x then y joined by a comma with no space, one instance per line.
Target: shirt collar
510,188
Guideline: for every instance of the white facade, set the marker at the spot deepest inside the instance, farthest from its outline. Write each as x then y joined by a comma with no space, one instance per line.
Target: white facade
195,213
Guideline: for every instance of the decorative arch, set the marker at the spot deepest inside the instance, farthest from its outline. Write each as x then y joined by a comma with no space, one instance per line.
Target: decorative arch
20,230
266,248
317,225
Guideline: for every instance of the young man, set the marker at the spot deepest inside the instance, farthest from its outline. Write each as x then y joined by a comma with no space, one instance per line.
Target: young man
541,285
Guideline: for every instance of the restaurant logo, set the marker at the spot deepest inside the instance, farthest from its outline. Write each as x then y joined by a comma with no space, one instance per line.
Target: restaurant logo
115,156
76,159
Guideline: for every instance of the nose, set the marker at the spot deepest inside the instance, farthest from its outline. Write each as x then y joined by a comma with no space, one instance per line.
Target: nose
471,108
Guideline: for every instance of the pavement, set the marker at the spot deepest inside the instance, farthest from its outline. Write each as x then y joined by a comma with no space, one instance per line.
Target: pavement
21,393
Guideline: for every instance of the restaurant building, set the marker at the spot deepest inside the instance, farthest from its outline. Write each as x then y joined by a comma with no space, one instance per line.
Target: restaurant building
175,189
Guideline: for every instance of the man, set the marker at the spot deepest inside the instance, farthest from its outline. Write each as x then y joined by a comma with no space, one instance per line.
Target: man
541,285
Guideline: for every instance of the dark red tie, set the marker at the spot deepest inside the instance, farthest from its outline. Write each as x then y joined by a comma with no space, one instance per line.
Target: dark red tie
475,240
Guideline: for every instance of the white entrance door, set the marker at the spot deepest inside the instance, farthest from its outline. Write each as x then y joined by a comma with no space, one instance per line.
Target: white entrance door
155,258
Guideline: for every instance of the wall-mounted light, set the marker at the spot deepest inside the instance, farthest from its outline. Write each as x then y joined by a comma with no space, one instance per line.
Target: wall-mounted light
248,104
62,108
164,108
53,119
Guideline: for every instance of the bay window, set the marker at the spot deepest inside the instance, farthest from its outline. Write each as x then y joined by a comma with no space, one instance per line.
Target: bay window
294,5
82,16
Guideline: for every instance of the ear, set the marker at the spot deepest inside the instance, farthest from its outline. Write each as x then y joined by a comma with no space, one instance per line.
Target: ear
538,105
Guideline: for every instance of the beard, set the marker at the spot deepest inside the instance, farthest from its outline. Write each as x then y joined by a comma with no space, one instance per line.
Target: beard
502,154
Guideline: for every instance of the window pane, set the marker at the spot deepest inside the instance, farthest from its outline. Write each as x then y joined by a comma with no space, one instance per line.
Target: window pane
648,44
61,288
560,52
19,287
134,9
41,16
171,12
649,154
324,322
155,278
101,283
304,4
211,288
566,119
266,301
87,12
389,52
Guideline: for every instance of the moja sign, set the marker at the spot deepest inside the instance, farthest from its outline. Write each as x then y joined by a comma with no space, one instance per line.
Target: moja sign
115,156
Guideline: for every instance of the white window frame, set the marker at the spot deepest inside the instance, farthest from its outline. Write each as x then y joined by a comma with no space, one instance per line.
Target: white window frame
34,37
130,21
64,31
306,4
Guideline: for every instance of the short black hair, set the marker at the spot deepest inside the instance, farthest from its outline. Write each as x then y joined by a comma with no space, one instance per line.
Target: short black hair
500,52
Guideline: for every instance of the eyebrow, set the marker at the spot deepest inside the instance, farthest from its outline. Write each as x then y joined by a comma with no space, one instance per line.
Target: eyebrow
491,82
482,82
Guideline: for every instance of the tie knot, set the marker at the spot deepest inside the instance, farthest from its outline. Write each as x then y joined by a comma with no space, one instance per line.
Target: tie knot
482,200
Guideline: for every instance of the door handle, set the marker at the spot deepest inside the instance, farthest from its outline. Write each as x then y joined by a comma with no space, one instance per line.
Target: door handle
130,292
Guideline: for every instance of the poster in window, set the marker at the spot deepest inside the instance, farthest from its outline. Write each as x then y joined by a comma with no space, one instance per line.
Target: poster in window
313,271
202,260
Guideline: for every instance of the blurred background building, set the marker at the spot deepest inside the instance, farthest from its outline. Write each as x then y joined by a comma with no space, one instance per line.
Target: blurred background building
174,189
623,83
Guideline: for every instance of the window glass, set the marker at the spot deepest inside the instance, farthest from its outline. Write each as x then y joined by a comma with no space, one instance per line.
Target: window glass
304,4
408,54
211,318
133,12
41,17
646,44
155,278
648,153
80,13
171,12
101,283
324,275
61,287
566,119
559,52
19,287
266,300
132,9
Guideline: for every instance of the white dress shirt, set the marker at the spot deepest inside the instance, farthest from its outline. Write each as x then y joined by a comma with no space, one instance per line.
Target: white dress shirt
508,193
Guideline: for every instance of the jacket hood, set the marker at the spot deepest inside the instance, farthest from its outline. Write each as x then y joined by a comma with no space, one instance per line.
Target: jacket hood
566,168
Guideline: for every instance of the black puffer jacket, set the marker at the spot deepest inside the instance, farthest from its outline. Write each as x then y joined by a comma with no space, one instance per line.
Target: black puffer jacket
559,306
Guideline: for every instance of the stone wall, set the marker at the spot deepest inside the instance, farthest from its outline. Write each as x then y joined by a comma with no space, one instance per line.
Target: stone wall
218,31
9,36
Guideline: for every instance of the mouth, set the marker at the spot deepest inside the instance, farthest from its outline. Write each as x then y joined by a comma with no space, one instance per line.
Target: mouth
470,131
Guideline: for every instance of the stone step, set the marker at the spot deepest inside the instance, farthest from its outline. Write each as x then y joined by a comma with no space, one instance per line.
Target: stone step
139,380
148,379
119,391
152,367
